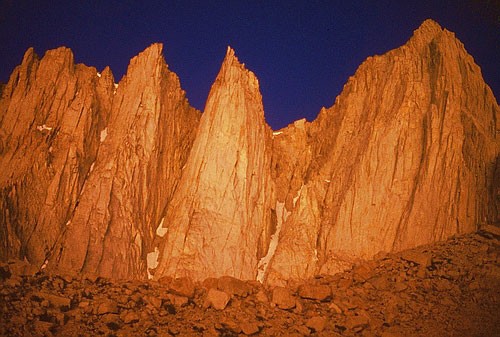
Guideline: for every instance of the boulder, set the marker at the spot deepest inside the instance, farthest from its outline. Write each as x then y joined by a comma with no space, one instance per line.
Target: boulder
283,299
315,292
216,299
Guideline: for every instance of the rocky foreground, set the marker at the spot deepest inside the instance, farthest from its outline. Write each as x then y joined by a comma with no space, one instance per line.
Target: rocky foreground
450,288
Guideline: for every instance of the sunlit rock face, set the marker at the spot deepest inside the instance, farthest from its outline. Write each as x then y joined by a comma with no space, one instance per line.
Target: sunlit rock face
219,220
105,162
139,163
405,156
51,114
128,181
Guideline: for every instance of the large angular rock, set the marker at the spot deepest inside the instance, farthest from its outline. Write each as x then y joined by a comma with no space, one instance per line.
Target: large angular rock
233,286
283,299
107,307
316,323
315,292
420,258
182,286
217,299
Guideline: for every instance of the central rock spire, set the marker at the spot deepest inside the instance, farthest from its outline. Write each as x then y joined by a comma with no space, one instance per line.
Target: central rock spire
217,223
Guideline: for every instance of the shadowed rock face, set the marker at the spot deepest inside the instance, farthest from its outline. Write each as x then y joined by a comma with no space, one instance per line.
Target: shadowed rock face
129,181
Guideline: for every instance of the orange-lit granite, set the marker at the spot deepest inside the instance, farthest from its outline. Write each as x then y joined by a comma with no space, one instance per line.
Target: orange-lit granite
129,181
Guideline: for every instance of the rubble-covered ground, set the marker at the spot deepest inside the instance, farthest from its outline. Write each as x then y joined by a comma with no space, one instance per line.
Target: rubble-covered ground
450,288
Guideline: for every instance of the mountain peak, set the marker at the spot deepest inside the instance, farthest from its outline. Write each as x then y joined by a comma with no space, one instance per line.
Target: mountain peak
431,25
427,31
230,52
29,55
232,71
154,50
232,60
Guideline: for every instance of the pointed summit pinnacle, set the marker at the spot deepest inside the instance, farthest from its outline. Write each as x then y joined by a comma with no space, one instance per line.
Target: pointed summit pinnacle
230,57
230,51
425,33
428,30
430,24
232,69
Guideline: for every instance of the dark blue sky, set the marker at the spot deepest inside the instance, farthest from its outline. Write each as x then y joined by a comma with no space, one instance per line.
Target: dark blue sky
302,51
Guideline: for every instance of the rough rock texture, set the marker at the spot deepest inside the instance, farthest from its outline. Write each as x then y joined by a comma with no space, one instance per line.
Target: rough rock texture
128,181
219,219
88,165
51,114
405,156
457,295
143,149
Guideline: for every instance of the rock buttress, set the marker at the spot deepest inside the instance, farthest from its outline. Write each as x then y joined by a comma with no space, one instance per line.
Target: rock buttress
405,156
220,218
51,114
142,152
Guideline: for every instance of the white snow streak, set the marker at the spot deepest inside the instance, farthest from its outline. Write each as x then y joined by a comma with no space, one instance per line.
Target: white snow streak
104,134
161,231
98,74
282,215
44,265
297,196
152,261
43,127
